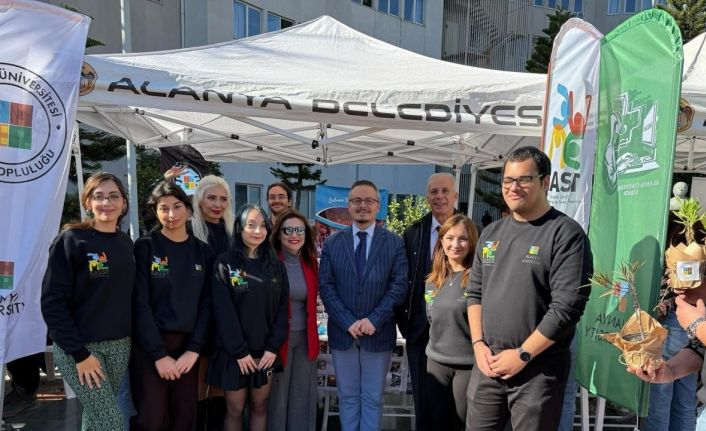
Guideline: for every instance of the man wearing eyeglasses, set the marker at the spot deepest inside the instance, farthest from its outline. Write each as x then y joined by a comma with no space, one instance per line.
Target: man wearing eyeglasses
419,240
528,289
362,277
279,199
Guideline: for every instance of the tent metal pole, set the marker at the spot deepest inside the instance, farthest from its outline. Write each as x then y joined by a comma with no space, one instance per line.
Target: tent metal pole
132,189
2,394
76,148
690,160
457,180
472,190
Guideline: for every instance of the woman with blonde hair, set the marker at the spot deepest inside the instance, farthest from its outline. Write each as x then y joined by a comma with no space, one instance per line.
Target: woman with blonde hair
449,351
87,302
212,221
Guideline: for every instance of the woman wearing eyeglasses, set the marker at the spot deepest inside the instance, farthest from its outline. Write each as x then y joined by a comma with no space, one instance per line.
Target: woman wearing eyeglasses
172,311
294,391
87,302
250,297
449,351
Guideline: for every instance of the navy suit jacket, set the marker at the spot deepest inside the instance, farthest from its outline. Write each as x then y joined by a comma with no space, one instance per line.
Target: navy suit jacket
349,296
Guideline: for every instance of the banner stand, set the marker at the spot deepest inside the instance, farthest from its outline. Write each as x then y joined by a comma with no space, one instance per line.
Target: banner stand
2,394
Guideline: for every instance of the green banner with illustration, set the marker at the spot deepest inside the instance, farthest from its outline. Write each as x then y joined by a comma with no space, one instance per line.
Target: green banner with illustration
640,83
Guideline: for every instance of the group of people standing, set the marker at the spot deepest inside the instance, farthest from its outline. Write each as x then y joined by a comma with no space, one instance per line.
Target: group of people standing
212,304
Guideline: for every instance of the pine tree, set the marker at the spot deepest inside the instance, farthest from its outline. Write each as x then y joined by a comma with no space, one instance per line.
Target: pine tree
542,53
690,16
296,180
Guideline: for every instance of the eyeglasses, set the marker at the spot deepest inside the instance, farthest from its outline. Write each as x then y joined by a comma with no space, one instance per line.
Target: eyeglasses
277,197
358,201
113,198
289,230
522,181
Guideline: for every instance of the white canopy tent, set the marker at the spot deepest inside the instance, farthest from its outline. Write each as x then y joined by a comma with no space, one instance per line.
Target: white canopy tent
691,144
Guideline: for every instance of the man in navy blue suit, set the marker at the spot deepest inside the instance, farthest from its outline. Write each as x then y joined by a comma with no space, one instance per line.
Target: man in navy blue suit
362,277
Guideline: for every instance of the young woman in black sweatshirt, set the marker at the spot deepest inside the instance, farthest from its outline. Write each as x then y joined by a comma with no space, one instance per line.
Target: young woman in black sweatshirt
449,351
250,299
172,307
212,222
87,302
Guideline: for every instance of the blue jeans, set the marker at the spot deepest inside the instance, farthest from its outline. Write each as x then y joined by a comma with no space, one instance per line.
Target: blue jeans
127,409
360,381
569,407
673,405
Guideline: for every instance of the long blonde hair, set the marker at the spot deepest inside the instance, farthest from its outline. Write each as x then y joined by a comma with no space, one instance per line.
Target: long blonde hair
198,224
441,269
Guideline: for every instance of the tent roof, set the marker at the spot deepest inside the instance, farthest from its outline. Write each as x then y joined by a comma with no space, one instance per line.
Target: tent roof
323,93
278,93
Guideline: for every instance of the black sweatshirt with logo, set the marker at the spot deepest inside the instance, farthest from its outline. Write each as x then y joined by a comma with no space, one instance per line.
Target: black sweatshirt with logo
531,275
87,289
172,292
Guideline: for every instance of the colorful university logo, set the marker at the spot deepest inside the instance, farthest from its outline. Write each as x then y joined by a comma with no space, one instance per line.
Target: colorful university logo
489,249
7,275
160,266
570,128
237,278
534,250
97,264
33,126
15,125
188,179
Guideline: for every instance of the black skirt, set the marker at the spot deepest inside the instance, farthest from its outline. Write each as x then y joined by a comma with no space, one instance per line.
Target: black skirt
224,372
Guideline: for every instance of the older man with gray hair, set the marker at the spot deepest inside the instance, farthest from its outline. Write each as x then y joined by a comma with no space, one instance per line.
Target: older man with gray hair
419,241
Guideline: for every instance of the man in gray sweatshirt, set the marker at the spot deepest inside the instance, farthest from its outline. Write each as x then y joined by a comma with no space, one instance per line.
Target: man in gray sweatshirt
528,289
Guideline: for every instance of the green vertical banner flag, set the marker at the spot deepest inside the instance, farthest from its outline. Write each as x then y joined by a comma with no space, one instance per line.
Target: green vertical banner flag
640,83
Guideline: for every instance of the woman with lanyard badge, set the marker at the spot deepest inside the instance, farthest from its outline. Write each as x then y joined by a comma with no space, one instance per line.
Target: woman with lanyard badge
87,302
250,298
449,351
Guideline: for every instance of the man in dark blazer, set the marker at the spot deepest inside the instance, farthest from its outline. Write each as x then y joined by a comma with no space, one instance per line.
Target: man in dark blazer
411,317
362,277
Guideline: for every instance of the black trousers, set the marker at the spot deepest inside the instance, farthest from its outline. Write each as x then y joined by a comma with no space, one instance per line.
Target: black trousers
417,361
532,400
446,393
163,404
25,372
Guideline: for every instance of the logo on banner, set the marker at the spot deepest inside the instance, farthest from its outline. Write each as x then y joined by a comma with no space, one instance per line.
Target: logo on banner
685,116
33,129
632,146
7,275
567,138
88,79
188,179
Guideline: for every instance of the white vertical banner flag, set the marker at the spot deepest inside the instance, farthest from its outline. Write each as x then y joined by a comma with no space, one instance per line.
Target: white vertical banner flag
40,65
571,118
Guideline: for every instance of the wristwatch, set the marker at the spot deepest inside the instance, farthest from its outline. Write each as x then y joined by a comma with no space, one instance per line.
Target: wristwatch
691,329
525,355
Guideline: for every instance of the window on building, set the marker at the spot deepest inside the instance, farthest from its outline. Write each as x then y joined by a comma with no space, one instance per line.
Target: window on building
630,6
307,204
246,21
613,7
414,11
551,4
578,5
564,4
276,22
246,194
539,2
389,6
368,3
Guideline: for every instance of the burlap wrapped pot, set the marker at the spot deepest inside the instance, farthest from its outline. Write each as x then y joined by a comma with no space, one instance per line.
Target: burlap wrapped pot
685,265
639,352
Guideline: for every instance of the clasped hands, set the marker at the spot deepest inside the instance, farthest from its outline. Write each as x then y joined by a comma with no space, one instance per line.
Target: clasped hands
361,327
169,368
249,365
505,364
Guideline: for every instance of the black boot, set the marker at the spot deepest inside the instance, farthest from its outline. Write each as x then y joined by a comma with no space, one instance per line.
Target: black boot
216,414
201,409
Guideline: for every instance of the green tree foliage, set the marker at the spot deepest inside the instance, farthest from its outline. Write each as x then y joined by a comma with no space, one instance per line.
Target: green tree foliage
542,53
296,180
402,213
492,198
690,16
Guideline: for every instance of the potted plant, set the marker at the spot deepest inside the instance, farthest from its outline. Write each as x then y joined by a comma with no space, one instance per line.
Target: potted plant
685,262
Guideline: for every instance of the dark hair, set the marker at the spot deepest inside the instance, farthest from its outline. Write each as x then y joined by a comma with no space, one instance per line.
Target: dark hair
368,183
88,188
284,186
309,248
440,267
164,189
541,160
237,247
